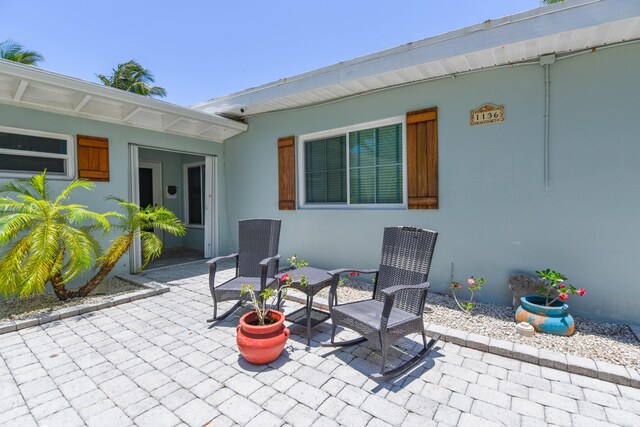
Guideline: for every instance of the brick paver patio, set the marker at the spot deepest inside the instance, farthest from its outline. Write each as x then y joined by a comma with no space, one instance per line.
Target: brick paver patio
155,362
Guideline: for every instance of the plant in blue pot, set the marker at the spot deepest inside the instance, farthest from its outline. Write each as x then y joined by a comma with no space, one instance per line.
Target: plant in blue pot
548,312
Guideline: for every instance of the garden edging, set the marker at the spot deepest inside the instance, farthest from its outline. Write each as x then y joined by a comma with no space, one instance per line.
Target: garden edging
617,374
154,288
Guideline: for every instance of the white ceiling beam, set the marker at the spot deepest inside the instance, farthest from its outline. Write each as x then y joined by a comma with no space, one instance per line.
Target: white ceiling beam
20,91
82,103
171,123
132,113
207,128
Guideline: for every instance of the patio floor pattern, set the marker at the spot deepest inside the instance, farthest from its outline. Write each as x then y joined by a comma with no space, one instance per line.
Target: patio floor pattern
156,362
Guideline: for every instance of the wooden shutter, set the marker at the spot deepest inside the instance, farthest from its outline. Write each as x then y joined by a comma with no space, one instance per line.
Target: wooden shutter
422,159
287,173
93,158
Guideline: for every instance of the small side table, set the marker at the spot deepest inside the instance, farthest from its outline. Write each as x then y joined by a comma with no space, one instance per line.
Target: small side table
317,279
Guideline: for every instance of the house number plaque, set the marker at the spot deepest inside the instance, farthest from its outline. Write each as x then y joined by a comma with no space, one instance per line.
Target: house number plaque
487,113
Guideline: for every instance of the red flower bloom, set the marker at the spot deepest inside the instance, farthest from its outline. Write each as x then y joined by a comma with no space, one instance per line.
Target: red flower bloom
581,291
284,278
561,286
563,297
354,274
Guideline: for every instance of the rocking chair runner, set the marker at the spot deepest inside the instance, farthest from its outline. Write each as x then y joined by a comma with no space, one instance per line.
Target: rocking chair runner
399,296
256,263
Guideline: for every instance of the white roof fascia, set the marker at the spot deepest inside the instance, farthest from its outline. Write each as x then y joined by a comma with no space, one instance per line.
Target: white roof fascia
534,24
88,92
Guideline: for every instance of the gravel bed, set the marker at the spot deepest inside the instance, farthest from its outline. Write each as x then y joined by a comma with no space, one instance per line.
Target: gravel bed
17,308
601,341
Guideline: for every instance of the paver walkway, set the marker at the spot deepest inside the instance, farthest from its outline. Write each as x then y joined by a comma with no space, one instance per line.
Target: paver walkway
155,362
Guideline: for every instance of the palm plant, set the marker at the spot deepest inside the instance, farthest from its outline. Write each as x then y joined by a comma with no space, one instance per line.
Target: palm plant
133,77
13,51
51,239
135,222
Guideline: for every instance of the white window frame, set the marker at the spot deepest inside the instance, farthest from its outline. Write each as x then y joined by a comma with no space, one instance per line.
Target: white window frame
302,196
69,158
185,180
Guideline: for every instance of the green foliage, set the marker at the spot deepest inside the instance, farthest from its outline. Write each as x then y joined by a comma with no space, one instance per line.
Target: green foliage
554,281
474,286
296,262
134,222
13,51
268,297
45,238
133,77
545,2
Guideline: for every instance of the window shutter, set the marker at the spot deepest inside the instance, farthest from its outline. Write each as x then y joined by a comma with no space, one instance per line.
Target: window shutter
422,159
93,158
287,173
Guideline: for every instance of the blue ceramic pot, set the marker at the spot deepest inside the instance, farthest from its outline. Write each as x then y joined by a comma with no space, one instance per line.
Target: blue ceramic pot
554,319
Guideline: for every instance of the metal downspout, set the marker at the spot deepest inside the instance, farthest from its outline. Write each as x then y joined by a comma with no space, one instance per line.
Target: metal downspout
546,61
547,106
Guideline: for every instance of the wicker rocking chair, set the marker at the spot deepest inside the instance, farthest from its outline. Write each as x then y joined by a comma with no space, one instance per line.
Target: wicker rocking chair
399,296
256,263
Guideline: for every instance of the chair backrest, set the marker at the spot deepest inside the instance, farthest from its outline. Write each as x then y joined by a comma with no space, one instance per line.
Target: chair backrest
406,259
258,239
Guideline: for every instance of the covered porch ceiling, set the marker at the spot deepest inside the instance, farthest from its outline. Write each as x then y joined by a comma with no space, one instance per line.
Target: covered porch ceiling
572,26
30,87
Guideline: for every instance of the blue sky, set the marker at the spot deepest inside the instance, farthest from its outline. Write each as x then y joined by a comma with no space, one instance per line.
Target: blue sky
199,49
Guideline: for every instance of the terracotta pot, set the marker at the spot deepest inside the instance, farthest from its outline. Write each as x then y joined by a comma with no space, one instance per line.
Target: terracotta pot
554,319
261,344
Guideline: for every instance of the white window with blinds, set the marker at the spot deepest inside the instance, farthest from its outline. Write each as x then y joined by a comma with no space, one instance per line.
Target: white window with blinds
359,166
25,152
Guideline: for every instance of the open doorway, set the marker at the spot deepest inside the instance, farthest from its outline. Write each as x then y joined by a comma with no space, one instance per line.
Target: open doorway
185,184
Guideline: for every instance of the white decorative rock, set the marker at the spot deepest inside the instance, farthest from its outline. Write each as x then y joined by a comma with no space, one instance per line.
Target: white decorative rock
525,329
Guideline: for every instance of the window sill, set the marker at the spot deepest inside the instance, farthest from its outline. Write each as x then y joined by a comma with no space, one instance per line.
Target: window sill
381,207
18,175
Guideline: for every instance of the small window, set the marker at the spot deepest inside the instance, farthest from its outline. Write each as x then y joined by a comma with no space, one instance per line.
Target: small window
355,167
25,152
194,194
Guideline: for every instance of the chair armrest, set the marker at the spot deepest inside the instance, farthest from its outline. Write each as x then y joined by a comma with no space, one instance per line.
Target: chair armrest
392,290
355,270
264,266
390,296
265,262
220,258
213,267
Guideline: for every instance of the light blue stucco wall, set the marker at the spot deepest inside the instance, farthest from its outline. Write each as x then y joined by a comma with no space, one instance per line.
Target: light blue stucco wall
119,139
495,216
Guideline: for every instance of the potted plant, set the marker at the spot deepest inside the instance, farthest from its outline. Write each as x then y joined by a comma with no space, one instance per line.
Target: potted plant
261,334
548,312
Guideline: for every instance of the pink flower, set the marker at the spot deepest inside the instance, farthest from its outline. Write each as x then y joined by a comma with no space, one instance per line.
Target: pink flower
354,274
581,291
471,281
284,278
563,297
561,286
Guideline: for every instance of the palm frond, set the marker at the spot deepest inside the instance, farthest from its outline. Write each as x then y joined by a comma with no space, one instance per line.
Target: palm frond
13,224
16,186
132,77
13,51
11,266
76,183
151,247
